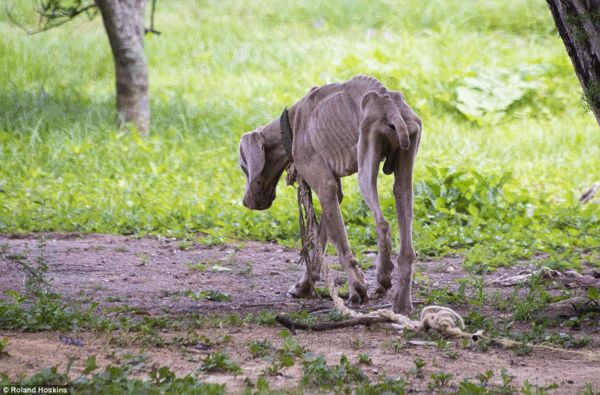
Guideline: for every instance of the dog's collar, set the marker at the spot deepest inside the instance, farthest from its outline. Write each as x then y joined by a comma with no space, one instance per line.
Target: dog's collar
286,133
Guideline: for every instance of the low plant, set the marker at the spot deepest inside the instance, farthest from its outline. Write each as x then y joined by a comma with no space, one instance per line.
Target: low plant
212,295
316,373
260,348
117,380
418,369
219,362
365,359
3,345
439,381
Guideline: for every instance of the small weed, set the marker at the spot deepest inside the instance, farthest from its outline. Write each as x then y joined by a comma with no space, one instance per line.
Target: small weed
588,389
285,356
482,345
442,344
302,316
593,294
316,373
143,258
290,346
366,265
322,292
113,299
185,245
3,345
474,321
356,343
217,320
568,341
396,345
532,389
419,365
260,348
212,295
524,307
522,349
197,266
442,296
264,317
262,385
439,380
335,316
365,359
213,342
385,386
219,362
336,267
133,363
471,290
507,386
343,290
36,283
484,378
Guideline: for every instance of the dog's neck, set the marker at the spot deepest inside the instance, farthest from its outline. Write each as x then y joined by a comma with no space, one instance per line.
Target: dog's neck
275,153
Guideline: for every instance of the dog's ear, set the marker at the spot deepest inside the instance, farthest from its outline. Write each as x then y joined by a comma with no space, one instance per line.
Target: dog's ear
252,153
370,95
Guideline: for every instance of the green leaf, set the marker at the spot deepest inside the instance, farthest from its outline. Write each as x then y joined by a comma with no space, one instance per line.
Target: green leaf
90,365
593,293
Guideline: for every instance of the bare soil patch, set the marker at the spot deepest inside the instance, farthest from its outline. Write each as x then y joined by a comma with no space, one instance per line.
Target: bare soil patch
153,277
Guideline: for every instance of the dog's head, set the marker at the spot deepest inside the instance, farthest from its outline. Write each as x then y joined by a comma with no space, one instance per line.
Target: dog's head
261,176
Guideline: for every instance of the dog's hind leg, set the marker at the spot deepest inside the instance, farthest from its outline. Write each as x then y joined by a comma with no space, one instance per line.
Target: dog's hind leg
403,192
327,186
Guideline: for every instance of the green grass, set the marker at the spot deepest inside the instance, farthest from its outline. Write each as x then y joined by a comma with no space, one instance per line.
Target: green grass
507,147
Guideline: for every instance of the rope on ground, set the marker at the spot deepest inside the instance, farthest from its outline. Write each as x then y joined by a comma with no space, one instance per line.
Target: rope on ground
439,318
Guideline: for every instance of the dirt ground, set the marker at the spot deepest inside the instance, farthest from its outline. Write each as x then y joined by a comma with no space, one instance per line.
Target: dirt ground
153,276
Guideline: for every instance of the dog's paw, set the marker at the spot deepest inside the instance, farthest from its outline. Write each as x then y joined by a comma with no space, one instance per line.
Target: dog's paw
358,293
301,290
402,304
379,292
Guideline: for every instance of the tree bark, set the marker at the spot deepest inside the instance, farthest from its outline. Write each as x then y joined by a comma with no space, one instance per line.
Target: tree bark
578,23
124,24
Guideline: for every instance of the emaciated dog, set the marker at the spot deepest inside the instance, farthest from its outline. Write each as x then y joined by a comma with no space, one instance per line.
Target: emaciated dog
338,130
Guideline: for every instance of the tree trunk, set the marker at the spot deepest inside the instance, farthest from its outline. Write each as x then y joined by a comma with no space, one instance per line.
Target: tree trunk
124,24
578,23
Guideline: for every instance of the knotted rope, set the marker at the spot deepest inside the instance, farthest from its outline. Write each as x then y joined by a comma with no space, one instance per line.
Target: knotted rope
307,221
439,318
